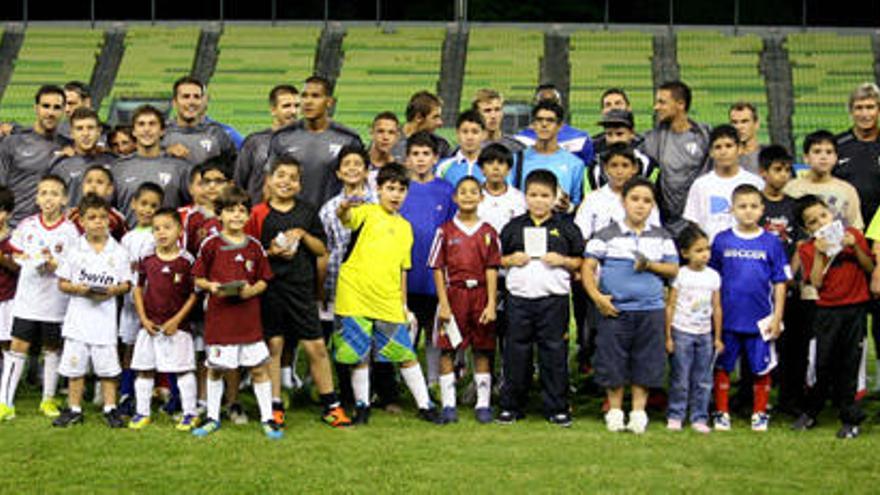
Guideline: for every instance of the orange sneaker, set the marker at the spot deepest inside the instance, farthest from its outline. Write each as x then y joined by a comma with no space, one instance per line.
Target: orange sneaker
336,417
278,417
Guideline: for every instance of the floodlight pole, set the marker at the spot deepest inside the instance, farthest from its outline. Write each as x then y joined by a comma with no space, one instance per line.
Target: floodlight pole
24,12
607,13
152,12
735,17
804,15
274,12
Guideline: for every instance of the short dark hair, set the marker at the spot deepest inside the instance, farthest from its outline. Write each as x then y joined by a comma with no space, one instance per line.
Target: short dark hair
280,90
613,91
217,163
284,160
386,115
49,89
744,105
723,131
468,178
638,181
772,154
353,149
557,95
392,172
121,128
150,187
80,88
623,150
188,79
420,105
550,105
54,178
92,201
167,211
541,177
232,196
802,204
321,81
7,199
817,137
97,167
83,113
744,189
470,116
423,138
147,109
690,234
495,152
679,91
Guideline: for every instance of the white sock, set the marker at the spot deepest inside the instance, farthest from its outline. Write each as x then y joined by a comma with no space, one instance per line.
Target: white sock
99,395
415,381
447,390
263,393
360,385
432,359
287,377
483,382
143,393
186,383
215,396
13,365
50,374
109,407
76,409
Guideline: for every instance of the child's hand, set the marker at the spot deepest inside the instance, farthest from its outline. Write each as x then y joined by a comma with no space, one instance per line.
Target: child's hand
444,312
295,234
849,240
670,345
214,288
775,328
563,203
553,259
719,346
247,291
50,265
177,150
169,328
150,327
518,258
278,251
608,310
488,315
822,245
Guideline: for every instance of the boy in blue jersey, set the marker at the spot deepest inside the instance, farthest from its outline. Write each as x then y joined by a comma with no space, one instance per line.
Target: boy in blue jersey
470,131
754,269
546,154
427,206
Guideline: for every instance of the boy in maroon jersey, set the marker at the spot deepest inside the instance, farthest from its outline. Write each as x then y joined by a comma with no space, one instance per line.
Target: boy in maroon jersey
8,267
97,179
163,299
465,257
233,269
201,221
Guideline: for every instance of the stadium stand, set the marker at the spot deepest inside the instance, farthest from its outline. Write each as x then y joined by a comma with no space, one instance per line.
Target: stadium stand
48,55
600,60
252,61
825,69
505,59
383,69
721,70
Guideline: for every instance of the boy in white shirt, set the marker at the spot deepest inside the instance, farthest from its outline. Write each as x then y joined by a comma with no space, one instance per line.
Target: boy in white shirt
501,201
95,271
39,243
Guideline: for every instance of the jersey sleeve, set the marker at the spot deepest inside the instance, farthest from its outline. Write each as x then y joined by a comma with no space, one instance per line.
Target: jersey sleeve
716,254
437,256
357,216
873,231
577,176
596,248
406,262
670,253
693,210
854,209
141,275
263,270
493,259
780,271
202,266
244,165
575,239
124,269
583,218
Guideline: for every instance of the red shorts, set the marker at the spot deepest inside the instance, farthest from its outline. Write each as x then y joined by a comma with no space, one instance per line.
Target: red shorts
467,306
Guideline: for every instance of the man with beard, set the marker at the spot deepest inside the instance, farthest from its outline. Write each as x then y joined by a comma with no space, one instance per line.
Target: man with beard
189,136
744,117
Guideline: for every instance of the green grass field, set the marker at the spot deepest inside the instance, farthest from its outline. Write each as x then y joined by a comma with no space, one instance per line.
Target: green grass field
398,453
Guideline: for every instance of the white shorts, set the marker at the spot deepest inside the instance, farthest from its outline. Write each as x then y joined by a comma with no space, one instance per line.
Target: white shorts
163,353
129,325
6,320
230,357
77,356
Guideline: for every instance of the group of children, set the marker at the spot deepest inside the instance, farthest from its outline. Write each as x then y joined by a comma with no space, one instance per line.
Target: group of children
455,253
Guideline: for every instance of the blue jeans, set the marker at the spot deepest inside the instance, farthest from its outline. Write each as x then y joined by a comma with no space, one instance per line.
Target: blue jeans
690,381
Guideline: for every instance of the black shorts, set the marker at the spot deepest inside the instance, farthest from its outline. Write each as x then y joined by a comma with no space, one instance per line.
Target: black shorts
43,332
630,349
290,313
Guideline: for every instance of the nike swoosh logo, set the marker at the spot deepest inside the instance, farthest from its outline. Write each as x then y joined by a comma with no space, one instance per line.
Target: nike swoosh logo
843,160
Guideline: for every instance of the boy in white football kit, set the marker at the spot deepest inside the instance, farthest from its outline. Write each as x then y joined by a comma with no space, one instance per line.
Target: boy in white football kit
8,267
39,242
95,271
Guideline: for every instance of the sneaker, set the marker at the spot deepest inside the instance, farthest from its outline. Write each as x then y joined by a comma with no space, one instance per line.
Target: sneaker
139,422
336,417
127,406
561,419
701,428
431,415
206,429
449,415
638,422
7,413
237,414
721,421
673,424
483,415
803,423
187,423
760,421
361,415
273,430
67,417
278,416
848,431
508,417
114,419
49,408
614,420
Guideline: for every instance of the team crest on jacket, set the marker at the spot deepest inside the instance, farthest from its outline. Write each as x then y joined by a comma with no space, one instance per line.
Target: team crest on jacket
164,178
206,144
249,265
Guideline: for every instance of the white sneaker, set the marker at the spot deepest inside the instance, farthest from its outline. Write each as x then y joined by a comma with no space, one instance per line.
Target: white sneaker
638,422
614,420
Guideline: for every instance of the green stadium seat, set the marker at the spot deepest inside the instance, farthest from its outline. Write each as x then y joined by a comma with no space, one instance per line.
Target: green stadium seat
504,59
